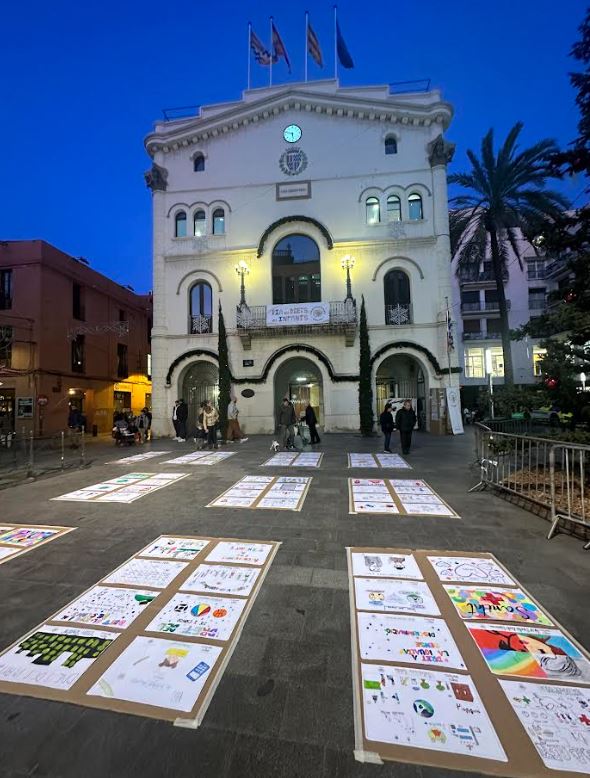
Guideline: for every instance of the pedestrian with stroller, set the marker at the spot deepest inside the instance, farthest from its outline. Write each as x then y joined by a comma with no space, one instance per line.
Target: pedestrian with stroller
387,427
405,421
233,425
286,421
311,421
181,418
210,420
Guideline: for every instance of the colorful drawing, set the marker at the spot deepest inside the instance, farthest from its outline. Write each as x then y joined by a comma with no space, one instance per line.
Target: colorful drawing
436,711
409,639
27,536
369,563
531,652
494,604
175,548
199,616
470,570
125,488
385,595
146,572
107,606
53,656
222,579
238,552
160,672
283,493
557,720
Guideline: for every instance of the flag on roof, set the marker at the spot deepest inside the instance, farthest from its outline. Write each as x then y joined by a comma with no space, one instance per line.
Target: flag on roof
341,48
313,46
278,47
261,53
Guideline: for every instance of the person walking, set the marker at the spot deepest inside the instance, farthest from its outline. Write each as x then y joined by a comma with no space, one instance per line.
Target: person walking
387,427
175,418
181,417
233,425
311,421
405,421
286,421
210,419
145,423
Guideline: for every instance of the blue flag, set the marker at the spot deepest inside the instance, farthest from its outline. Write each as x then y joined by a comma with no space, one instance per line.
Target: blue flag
343,53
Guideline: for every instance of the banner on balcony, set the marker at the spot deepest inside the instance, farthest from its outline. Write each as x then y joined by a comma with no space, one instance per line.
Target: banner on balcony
297,313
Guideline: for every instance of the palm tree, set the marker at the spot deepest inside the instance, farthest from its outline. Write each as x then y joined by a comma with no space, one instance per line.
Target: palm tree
506,199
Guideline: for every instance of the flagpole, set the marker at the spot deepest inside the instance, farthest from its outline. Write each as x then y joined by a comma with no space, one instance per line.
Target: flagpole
271,56
306,39
448,332
335,43
249,55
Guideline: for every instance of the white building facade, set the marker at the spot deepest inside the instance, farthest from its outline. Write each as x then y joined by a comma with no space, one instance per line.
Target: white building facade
263,206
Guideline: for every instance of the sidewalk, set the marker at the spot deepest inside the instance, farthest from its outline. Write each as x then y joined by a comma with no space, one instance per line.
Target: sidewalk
284,705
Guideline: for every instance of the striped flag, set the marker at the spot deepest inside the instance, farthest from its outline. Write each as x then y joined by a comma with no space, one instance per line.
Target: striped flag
278,48
313,46
261,53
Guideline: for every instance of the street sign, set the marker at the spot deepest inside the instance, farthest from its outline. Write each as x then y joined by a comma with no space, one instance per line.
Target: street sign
42,399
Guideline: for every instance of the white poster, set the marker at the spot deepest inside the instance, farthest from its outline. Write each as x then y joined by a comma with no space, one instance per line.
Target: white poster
392,460
370,495
229,501
199,616
295,314
282,459
146,572
308,460
155,671
410,639
107,606
386,595
240,552
125,488
137,458
201,458
435,711
174,548
454,406
279,503
470,569
369,563
53,656
6,552
557,720
362,460
222,579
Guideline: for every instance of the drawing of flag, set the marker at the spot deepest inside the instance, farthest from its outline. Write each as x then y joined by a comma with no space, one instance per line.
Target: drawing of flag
278,47
342,49
313,46
261,53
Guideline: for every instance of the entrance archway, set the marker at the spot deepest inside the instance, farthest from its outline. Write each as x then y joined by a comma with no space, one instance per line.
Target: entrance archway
401,376
199,382
300,380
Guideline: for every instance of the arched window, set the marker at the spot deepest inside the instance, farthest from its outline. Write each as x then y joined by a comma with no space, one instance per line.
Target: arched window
219,221
415,207
296,271
200,222
199,163
201,309
390,145
373,210
180,225
396,291
394,209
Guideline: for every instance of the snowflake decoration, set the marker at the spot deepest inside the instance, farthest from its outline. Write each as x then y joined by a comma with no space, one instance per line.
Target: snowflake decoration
399,314
244,316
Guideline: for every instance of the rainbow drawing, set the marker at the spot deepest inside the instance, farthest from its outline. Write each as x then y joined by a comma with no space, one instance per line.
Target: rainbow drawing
495,604
201,609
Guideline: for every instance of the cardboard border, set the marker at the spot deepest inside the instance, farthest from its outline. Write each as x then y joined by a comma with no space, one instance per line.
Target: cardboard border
97,501
378,465
20,550
395,498
197,460
263,494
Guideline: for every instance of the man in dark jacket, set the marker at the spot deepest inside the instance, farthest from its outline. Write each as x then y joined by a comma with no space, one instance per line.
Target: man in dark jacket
286,421
405,421
386,421
181,417
311,421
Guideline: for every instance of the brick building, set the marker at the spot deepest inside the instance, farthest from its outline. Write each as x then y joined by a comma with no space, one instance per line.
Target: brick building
69,336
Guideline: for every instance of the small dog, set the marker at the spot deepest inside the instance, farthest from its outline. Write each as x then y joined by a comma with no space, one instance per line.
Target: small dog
275,446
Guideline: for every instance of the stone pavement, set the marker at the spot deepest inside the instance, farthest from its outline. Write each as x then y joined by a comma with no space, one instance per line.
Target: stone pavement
284,704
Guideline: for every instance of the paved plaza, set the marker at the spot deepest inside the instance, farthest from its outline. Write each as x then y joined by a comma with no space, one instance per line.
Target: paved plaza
284,704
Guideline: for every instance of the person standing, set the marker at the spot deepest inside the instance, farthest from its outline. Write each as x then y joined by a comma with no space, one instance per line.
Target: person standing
311,421
181,417
175,418
405,421
144,424
210,419
286,421
233,425
387,427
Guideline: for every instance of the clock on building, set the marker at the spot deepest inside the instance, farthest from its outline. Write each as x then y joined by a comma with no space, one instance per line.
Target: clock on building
292,133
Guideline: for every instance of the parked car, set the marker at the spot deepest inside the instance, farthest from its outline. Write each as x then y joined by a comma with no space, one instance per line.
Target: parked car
552,416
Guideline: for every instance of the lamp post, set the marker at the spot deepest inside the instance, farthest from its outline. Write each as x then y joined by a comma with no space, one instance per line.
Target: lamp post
489,372
242,270
583,380
347,264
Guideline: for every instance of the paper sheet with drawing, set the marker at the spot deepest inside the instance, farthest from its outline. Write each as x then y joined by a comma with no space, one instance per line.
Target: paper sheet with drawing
107,606
174,548
470,570
495,604
386,595
146,572
199,616
222,579
385,565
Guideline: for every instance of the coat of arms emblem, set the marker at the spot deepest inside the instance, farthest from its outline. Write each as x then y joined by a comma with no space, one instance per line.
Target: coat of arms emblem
293,161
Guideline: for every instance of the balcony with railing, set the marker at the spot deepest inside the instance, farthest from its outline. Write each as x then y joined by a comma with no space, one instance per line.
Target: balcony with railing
557,268
398,315
481,336
485,306
475,277
200,325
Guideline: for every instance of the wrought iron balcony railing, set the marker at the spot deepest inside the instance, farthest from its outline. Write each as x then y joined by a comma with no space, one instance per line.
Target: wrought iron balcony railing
398,315
468,276
253,318
482,307
201,325
481,336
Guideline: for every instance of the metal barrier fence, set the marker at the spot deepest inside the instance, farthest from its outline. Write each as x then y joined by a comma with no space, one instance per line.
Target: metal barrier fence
27,455
540,470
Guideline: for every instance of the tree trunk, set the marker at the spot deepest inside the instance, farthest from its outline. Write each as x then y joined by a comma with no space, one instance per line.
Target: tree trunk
504,324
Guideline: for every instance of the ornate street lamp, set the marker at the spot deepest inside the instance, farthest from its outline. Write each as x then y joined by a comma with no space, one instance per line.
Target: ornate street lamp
242,270
347,263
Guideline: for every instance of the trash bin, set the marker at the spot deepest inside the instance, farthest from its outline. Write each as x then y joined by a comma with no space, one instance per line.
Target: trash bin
94,430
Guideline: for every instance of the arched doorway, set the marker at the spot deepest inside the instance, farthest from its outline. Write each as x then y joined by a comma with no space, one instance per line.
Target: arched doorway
199,382
400,376
296,271
300,380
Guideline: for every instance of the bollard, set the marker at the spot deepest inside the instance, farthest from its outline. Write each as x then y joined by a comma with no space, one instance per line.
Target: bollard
62,447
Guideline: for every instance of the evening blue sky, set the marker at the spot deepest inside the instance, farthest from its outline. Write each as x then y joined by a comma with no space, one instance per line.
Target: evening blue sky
82,83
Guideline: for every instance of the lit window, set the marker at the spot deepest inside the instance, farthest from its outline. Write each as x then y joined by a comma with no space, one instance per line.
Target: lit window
394,209
199,163
180,224
538,355
497,361
390,145
415,207
373,210
200,223
474,363
219,221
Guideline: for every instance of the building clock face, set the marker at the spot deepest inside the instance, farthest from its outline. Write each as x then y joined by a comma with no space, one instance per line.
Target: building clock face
292,133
